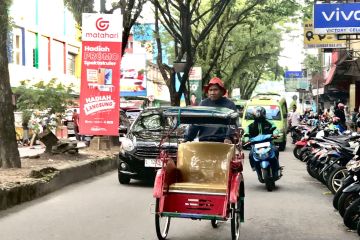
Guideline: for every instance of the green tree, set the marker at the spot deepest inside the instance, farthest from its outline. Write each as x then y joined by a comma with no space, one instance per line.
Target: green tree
189,23
9,153
244,47
52,96
312,64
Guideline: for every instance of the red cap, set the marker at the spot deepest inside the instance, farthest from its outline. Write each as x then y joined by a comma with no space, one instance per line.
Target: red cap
218,81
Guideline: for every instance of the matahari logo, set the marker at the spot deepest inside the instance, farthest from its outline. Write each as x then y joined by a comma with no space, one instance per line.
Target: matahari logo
101,24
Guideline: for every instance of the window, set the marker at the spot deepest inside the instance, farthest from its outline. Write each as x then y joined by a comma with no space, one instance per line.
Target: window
17,49
57,57
70,64
272,112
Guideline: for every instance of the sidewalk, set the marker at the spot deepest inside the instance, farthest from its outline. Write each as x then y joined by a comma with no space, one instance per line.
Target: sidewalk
31,151
39,149
46,173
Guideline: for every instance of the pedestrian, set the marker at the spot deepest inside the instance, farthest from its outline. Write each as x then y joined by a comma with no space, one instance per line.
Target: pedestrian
75,119
340,113
216,98
293,121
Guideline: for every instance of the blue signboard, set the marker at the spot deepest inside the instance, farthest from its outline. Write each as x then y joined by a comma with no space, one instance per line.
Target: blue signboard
293,74
337,18
295,80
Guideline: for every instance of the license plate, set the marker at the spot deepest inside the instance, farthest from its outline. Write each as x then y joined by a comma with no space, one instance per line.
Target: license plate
150,162
261,145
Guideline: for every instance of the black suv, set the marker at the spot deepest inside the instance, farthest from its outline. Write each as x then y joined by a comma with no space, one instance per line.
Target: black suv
140,148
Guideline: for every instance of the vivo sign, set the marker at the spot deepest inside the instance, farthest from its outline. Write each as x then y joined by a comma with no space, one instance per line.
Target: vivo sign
337,18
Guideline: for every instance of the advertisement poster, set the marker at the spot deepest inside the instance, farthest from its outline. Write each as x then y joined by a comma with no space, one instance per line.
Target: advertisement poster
337,18
195,77
100,74
133,77
312,40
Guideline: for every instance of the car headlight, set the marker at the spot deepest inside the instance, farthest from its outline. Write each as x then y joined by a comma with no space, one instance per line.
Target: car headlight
353,165
127,144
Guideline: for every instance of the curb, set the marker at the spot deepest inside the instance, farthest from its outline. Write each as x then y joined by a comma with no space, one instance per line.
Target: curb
39,187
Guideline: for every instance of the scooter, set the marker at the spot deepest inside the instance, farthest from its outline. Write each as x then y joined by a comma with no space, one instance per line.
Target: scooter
266,160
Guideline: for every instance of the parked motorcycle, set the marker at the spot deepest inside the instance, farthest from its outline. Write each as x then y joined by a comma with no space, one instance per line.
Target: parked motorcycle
353,168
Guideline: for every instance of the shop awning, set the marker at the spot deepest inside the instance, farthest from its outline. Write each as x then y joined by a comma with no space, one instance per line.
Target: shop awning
331,74
337,58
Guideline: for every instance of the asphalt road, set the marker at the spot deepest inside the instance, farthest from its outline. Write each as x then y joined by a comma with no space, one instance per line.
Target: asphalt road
100,208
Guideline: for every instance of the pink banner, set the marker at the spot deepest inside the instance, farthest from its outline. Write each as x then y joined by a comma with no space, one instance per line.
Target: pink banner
100,74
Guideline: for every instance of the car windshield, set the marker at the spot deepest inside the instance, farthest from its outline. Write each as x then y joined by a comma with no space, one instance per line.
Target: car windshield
272,112
153,122
132,115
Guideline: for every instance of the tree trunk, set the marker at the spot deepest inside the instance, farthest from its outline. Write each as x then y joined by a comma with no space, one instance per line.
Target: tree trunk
9,153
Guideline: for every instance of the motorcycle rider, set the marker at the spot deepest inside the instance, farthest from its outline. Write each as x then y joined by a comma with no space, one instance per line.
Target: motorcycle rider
216,91
258,127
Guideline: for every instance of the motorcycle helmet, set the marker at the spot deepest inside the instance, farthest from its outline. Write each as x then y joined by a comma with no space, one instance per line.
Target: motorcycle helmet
259,113
341,106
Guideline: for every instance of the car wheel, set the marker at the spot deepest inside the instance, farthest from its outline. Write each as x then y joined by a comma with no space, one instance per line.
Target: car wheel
123,179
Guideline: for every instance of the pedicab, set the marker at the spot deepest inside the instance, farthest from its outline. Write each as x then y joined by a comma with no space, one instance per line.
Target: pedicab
204,181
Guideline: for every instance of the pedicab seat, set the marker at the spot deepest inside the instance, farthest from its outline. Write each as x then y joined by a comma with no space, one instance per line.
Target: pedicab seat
203,167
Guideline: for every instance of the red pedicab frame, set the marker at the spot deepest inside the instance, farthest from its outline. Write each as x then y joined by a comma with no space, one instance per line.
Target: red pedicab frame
179,194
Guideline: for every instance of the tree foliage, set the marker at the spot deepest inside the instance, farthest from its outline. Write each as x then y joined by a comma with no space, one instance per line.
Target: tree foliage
312,64
9,153
53,97
189,23
244,50
238,41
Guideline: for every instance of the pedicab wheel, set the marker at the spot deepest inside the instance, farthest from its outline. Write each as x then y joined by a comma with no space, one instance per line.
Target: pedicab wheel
162,224
235,221
214,223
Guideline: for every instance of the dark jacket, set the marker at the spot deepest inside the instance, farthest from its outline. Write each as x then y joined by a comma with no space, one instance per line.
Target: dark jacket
340,114
260,127
216,133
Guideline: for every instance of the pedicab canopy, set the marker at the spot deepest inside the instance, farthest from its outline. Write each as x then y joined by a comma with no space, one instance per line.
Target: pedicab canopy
203,115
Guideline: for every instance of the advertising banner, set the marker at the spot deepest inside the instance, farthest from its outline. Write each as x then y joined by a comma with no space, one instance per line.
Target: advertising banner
294,80
100,74
195,77
133,77
312,40
341,18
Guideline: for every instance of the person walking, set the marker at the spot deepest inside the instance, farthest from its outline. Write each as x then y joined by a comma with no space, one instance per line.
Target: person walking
75,119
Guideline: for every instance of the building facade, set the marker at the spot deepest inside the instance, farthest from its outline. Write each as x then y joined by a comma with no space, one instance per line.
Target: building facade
43,43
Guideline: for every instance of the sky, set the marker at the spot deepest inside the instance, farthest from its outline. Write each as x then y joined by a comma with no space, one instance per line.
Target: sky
292,53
